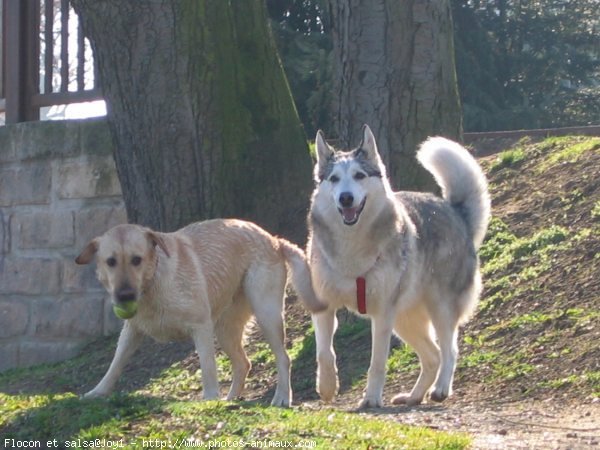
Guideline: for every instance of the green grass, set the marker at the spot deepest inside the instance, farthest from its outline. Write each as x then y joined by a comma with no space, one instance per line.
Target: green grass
160,411
565,151
573,152
502,248
403,359
508,158
312,149
596,210
175,379
478,357
587,378
137,420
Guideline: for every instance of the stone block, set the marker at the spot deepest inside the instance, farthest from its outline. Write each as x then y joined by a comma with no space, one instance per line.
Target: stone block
93,222
73,317
14,318
45,139
89,178
46,229
32,353
95,137
4,236
79,279
9,356
30,276
26,185
7,147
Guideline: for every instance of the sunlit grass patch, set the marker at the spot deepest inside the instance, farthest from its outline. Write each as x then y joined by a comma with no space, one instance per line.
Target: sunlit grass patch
403,359
508,158
502,248
569,153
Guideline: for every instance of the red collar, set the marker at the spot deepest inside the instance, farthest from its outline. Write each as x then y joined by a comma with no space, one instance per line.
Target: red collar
361,295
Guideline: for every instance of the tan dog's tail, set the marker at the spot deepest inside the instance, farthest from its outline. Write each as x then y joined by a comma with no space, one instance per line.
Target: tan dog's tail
301,279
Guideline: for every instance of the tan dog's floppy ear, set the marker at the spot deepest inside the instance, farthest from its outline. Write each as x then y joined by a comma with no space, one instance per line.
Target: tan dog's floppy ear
86,255
157,239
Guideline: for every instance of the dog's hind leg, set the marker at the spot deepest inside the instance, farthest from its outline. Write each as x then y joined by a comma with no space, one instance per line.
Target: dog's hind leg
129,341
414,328
325,324
264,287
271,324
230,332
446,328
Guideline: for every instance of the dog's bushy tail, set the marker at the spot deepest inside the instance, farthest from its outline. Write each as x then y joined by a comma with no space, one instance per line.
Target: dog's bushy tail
462,181
301,279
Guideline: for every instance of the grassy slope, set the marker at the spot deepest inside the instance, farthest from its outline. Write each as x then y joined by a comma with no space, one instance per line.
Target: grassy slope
536,330
534,335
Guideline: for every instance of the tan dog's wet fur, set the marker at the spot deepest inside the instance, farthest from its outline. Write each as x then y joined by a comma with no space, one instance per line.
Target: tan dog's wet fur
203,280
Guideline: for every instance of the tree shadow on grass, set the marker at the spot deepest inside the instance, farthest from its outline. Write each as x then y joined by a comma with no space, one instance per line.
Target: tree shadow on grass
82,373
66,417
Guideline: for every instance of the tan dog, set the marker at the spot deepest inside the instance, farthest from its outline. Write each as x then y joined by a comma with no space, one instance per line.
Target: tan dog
207,278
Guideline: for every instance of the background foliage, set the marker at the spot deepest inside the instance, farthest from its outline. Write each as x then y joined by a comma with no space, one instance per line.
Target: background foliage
520,64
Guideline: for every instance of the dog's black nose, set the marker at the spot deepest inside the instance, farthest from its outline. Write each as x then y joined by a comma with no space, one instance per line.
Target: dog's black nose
125,294
346,199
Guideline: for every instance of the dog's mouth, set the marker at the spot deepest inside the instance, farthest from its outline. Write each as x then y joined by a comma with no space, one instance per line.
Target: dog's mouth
352,214
125,303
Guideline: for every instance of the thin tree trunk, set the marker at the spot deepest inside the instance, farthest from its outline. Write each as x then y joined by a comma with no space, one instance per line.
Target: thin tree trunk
200,111
395,71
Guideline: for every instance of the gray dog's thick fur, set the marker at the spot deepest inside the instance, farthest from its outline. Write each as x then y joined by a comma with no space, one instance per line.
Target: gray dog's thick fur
416,251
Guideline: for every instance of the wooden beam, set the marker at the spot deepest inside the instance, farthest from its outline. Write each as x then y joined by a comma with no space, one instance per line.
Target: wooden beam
22,68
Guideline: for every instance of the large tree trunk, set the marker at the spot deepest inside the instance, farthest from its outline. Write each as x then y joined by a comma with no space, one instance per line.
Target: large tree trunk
200,111
395,71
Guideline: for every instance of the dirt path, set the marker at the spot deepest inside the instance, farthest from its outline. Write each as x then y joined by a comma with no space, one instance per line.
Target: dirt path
523,425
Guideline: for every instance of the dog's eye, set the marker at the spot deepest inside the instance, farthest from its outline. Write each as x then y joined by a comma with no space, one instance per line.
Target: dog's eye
111,262
359,176
334,179
136,260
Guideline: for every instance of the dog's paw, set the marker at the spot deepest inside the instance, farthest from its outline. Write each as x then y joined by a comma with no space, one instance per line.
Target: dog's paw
281,401
327,389
327,382
406,399
439,394
370,402
94,393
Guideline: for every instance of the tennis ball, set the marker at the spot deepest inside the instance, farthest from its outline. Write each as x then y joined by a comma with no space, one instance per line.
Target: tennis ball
125,310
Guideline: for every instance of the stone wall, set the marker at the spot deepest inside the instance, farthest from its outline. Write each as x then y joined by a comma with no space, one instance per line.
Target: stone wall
58,189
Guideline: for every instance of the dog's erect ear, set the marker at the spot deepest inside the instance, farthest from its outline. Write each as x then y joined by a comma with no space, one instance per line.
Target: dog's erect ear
157,239
324,151
324,154
367,146
87,254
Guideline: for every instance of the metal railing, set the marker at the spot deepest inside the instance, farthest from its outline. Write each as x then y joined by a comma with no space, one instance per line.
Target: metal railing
46,61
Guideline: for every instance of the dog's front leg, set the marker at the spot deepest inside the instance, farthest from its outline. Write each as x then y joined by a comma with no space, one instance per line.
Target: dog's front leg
325,324
381,334
129,341
205,347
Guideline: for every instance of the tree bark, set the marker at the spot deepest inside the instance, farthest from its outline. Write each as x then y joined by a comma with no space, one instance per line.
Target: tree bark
200,112
395,71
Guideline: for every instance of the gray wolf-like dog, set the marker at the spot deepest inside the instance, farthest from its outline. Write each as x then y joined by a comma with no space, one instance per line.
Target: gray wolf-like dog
406,260
207,278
